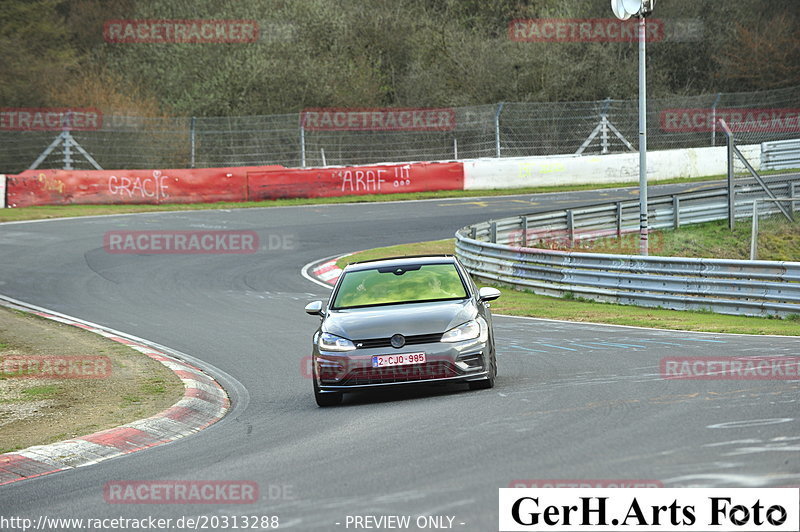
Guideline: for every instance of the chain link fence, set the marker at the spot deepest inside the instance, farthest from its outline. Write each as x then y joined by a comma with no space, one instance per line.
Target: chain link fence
500,130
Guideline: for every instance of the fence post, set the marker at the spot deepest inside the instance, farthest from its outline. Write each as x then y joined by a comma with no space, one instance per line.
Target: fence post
455,148
68,152
731,191
676,212
302,146
714,120
493,233
192,139
2,191
604,122
497,128
794,195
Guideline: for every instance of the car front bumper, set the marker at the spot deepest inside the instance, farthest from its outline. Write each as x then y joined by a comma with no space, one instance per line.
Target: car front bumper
445,362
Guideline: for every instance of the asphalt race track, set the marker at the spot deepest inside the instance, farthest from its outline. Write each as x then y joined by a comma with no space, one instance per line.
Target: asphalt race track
572,401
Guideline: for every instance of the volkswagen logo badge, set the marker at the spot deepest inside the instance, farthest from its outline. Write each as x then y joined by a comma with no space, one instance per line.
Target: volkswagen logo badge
398,341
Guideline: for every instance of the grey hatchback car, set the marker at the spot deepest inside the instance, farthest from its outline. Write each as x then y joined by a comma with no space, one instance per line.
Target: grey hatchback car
398,321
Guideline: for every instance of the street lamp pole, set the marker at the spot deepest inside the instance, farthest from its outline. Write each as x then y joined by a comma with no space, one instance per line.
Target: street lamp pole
625,9
643,229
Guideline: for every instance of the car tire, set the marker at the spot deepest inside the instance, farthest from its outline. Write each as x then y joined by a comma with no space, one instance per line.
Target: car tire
326,399
488,382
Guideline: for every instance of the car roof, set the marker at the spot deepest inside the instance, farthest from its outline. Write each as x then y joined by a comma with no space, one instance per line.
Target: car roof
400,261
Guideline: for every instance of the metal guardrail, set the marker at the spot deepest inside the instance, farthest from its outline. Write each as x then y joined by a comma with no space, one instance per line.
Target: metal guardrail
500,250
780,155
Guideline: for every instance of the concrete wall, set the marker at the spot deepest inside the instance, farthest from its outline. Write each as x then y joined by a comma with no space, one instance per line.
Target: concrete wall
588,169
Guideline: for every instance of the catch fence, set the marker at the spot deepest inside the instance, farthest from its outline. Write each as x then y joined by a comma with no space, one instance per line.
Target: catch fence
510,129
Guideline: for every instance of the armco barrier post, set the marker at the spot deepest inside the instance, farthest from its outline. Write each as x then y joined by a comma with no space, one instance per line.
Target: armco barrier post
493,233
619,219
524,224
571,227
676,212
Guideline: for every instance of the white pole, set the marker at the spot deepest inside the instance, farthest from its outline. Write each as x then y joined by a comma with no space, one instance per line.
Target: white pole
302,146
643,245
193,141
754,232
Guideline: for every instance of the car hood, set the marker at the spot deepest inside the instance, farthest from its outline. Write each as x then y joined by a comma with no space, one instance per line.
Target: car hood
406,319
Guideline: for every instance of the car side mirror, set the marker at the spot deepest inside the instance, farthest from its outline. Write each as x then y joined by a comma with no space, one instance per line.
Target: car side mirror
315,308
487,293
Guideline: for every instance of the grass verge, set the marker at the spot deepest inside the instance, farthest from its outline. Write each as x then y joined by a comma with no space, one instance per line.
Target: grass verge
518,303
65,211
37,411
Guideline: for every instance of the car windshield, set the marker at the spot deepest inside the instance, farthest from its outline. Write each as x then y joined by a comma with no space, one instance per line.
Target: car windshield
399,284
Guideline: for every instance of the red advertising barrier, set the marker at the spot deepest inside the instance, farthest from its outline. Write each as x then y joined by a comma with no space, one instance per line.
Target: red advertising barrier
354,180
60,187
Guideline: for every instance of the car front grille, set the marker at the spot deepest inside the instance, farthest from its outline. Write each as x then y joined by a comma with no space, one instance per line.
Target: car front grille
372,343
412,372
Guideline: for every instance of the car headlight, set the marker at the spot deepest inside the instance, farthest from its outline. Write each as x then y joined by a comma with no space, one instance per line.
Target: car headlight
331,342
467,331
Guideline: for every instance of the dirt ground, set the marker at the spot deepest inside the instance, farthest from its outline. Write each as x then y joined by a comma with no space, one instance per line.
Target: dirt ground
36,411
